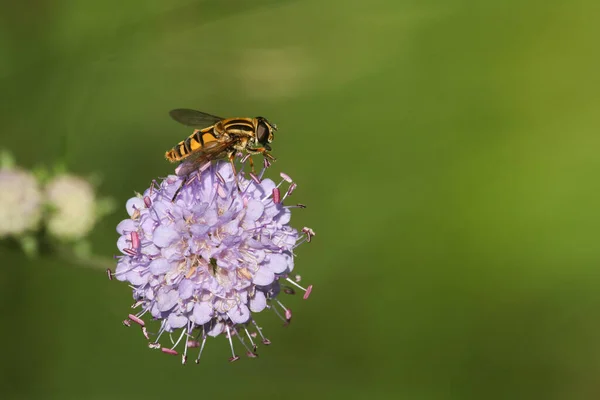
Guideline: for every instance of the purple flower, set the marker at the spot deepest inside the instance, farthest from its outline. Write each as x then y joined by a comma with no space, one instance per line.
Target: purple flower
204,263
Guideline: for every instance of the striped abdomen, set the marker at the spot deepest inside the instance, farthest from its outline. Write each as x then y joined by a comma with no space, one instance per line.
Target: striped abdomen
194,142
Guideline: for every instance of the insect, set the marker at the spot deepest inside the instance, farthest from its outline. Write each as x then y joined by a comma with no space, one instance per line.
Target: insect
215,137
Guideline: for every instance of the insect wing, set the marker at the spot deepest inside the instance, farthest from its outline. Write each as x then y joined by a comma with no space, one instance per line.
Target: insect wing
193,118
211,151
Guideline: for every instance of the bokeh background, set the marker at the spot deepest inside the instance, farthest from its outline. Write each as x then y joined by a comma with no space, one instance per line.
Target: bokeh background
447,151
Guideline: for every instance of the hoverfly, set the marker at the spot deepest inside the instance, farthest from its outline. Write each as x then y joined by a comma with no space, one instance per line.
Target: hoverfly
216,137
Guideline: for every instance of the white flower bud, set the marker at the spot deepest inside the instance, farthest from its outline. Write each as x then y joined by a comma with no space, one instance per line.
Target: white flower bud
20,202
73,207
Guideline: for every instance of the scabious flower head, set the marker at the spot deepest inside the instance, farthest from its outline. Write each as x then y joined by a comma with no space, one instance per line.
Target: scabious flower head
73,207
206,262
20,202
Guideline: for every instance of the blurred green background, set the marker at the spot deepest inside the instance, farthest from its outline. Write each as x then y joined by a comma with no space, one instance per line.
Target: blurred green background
447,151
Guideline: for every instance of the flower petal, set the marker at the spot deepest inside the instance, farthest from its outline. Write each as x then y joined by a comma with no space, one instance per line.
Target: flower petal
202,313
254,210
258,302
176,321
239,314
278,263
186,289
263,277
165,236
159,266
126,226
166,299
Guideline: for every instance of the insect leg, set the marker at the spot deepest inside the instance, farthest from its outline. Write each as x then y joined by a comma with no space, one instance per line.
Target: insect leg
179,188
231,160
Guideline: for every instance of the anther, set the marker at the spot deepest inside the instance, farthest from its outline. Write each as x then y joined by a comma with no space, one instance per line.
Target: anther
288,290
308,292
309,233
126,322
154,345
245,158
145,333
136,319
285,177
183,359
130,252
109,273
276,196
169,351
135,241
147,201
254,178
292,187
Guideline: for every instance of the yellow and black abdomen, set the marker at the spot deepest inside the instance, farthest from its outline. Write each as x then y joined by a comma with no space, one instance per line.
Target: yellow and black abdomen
195,142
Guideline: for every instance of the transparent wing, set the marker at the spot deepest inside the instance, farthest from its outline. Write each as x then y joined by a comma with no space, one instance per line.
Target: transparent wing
211,151
193,118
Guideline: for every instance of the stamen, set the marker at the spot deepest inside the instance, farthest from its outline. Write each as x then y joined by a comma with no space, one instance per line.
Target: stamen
249,352
285,321
265,341
276,196
220,178
233,356
202,346
308,290
178,340
288,312
184,356
250,338
138,303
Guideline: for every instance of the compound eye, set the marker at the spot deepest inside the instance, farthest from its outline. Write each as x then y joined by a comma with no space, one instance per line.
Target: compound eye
262,133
